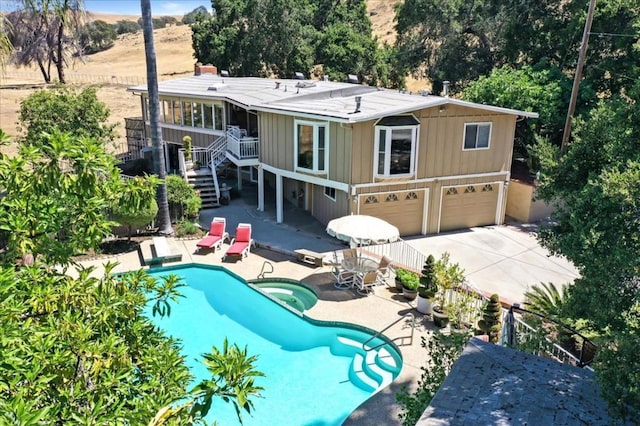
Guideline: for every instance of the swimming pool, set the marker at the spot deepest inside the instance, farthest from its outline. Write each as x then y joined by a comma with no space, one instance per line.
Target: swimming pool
317,373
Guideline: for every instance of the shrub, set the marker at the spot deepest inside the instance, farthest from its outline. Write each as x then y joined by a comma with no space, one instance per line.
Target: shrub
186,227
183,199
135,217
428,286
124,27
408,279
490,322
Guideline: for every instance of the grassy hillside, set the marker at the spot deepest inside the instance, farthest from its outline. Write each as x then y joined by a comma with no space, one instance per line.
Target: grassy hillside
126,59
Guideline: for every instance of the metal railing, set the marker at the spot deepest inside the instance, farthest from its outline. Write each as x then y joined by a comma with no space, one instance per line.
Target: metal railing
402,255
413,327
263,271
515,331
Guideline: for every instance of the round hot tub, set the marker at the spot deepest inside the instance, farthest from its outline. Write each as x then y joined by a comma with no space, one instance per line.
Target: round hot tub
292,292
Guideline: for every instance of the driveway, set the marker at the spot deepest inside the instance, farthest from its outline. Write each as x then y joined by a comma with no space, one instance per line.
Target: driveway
500,259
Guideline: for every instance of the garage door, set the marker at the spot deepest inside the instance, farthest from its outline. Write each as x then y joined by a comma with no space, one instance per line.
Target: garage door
469,205
404,209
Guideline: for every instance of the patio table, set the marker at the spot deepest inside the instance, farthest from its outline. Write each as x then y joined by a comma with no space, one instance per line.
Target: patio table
359,265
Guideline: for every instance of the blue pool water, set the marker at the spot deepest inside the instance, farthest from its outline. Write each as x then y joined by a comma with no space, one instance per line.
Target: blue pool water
315,372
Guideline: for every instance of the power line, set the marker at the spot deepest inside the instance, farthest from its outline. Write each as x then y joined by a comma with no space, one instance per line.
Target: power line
616,35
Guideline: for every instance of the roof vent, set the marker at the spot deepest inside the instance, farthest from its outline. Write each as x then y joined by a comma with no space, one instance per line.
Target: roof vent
299,76
277,85
215,87
352,78
305,84
358,103
425,92
224,73
445,88
326,78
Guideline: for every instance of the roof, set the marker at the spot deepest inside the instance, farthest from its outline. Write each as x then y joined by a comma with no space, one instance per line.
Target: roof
331,100
492,384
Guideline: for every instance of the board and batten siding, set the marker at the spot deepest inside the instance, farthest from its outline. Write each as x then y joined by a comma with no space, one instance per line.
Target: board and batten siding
197,139
324,209
440,144
277,145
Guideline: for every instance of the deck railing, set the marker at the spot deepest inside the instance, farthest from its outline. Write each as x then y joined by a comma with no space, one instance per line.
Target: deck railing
240,145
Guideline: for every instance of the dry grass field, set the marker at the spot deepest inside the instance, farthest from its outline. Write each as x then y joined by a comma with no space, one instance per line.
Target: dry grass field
125,62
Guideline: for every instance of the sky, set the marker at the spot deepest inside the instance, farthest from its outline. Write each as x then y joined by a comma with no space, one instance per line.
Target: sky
132,7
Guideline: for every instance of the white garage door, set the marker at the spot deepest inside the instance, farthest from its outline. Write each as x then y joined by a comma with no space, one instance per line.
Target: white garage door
403,209
469,205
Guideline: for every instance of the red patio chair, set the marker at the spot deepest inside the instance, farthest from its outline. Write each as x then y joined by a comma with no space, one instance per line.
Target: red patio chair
241,244
216,236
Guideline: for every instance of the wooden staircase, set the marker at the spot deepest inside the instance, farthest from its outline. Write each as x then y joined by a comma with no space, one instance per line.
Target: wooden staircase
202,181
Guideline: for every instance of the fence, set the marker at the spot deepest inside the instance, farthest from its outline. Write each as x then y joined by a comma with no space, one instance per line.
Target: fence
80,78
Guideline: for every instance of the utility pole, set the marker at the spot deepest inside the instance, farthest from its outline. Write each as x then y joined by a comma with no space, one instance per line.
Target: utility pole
578,76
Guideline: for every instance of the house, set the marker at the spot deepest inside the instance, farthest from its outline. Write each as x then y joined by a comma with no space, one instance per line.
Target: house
424,163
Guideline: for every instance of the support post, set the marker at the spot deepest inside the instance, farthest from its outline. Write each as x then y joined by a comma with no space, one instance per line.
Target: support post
260,189
279,199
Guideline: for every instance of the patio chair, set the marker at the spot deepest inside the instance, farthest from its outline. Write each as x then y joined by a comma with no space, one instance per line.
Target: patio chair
365,283
384,268
344,279
350,253
241,244
216,236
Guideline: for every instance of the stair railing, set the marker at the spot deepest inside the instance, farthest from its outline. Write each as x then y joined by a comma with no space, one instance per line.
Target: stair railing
413,327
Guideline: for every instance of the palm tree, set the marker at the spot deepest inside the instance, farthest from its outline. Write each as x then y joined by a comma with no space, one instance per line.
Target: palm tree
164,220
5,44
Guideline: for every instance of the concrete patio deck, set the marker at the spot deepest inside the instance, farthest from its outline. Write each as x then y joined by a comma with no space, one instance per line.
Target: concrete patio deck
375,311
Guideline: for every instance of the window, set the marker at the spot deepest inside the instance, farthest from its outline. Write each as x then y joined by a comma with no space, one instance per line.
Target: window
208,117
311,146
395,145
197,114
218,114
187,119
167,113
330,192
477,135
177,113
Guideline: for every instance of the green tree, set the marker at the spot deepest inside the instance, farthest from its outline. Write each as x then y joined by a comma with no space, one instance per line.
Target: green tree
597,227
66,110
164,219
97,36
138,210
192,16
542,89
460,41
125,27
183,199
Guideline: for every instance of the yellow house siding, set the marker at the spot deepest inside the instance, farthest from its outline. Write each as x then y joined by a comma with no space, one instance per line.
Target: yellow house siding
276,140
324,209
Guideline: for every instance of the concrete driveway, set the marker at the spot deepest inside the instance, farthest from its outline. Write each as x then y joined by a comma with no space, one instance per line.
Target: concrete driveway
500,259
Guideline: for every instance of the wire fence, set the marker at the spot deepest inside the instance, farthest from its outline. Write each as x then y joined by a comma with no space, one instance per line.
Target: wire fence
80,78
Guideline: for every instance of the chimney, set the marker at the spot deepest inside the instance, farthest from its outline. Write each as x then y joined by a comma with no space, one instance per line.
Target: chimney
353,79
205,69
445,88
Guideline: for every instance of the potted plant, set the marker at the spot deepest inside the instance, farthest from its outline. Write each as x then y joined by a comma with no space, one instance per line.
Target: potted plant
188,147
491,315
410,283
428,287
398,279
448,276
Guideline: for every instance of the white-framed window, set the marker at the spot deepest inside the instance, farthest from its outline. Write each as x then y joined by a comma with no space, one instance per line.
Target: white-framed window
330,193
311,143
476,136
395,146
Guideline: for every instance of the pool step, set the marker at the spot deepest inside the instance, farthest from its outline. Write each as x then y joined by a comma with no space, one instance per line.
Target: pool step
371,370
